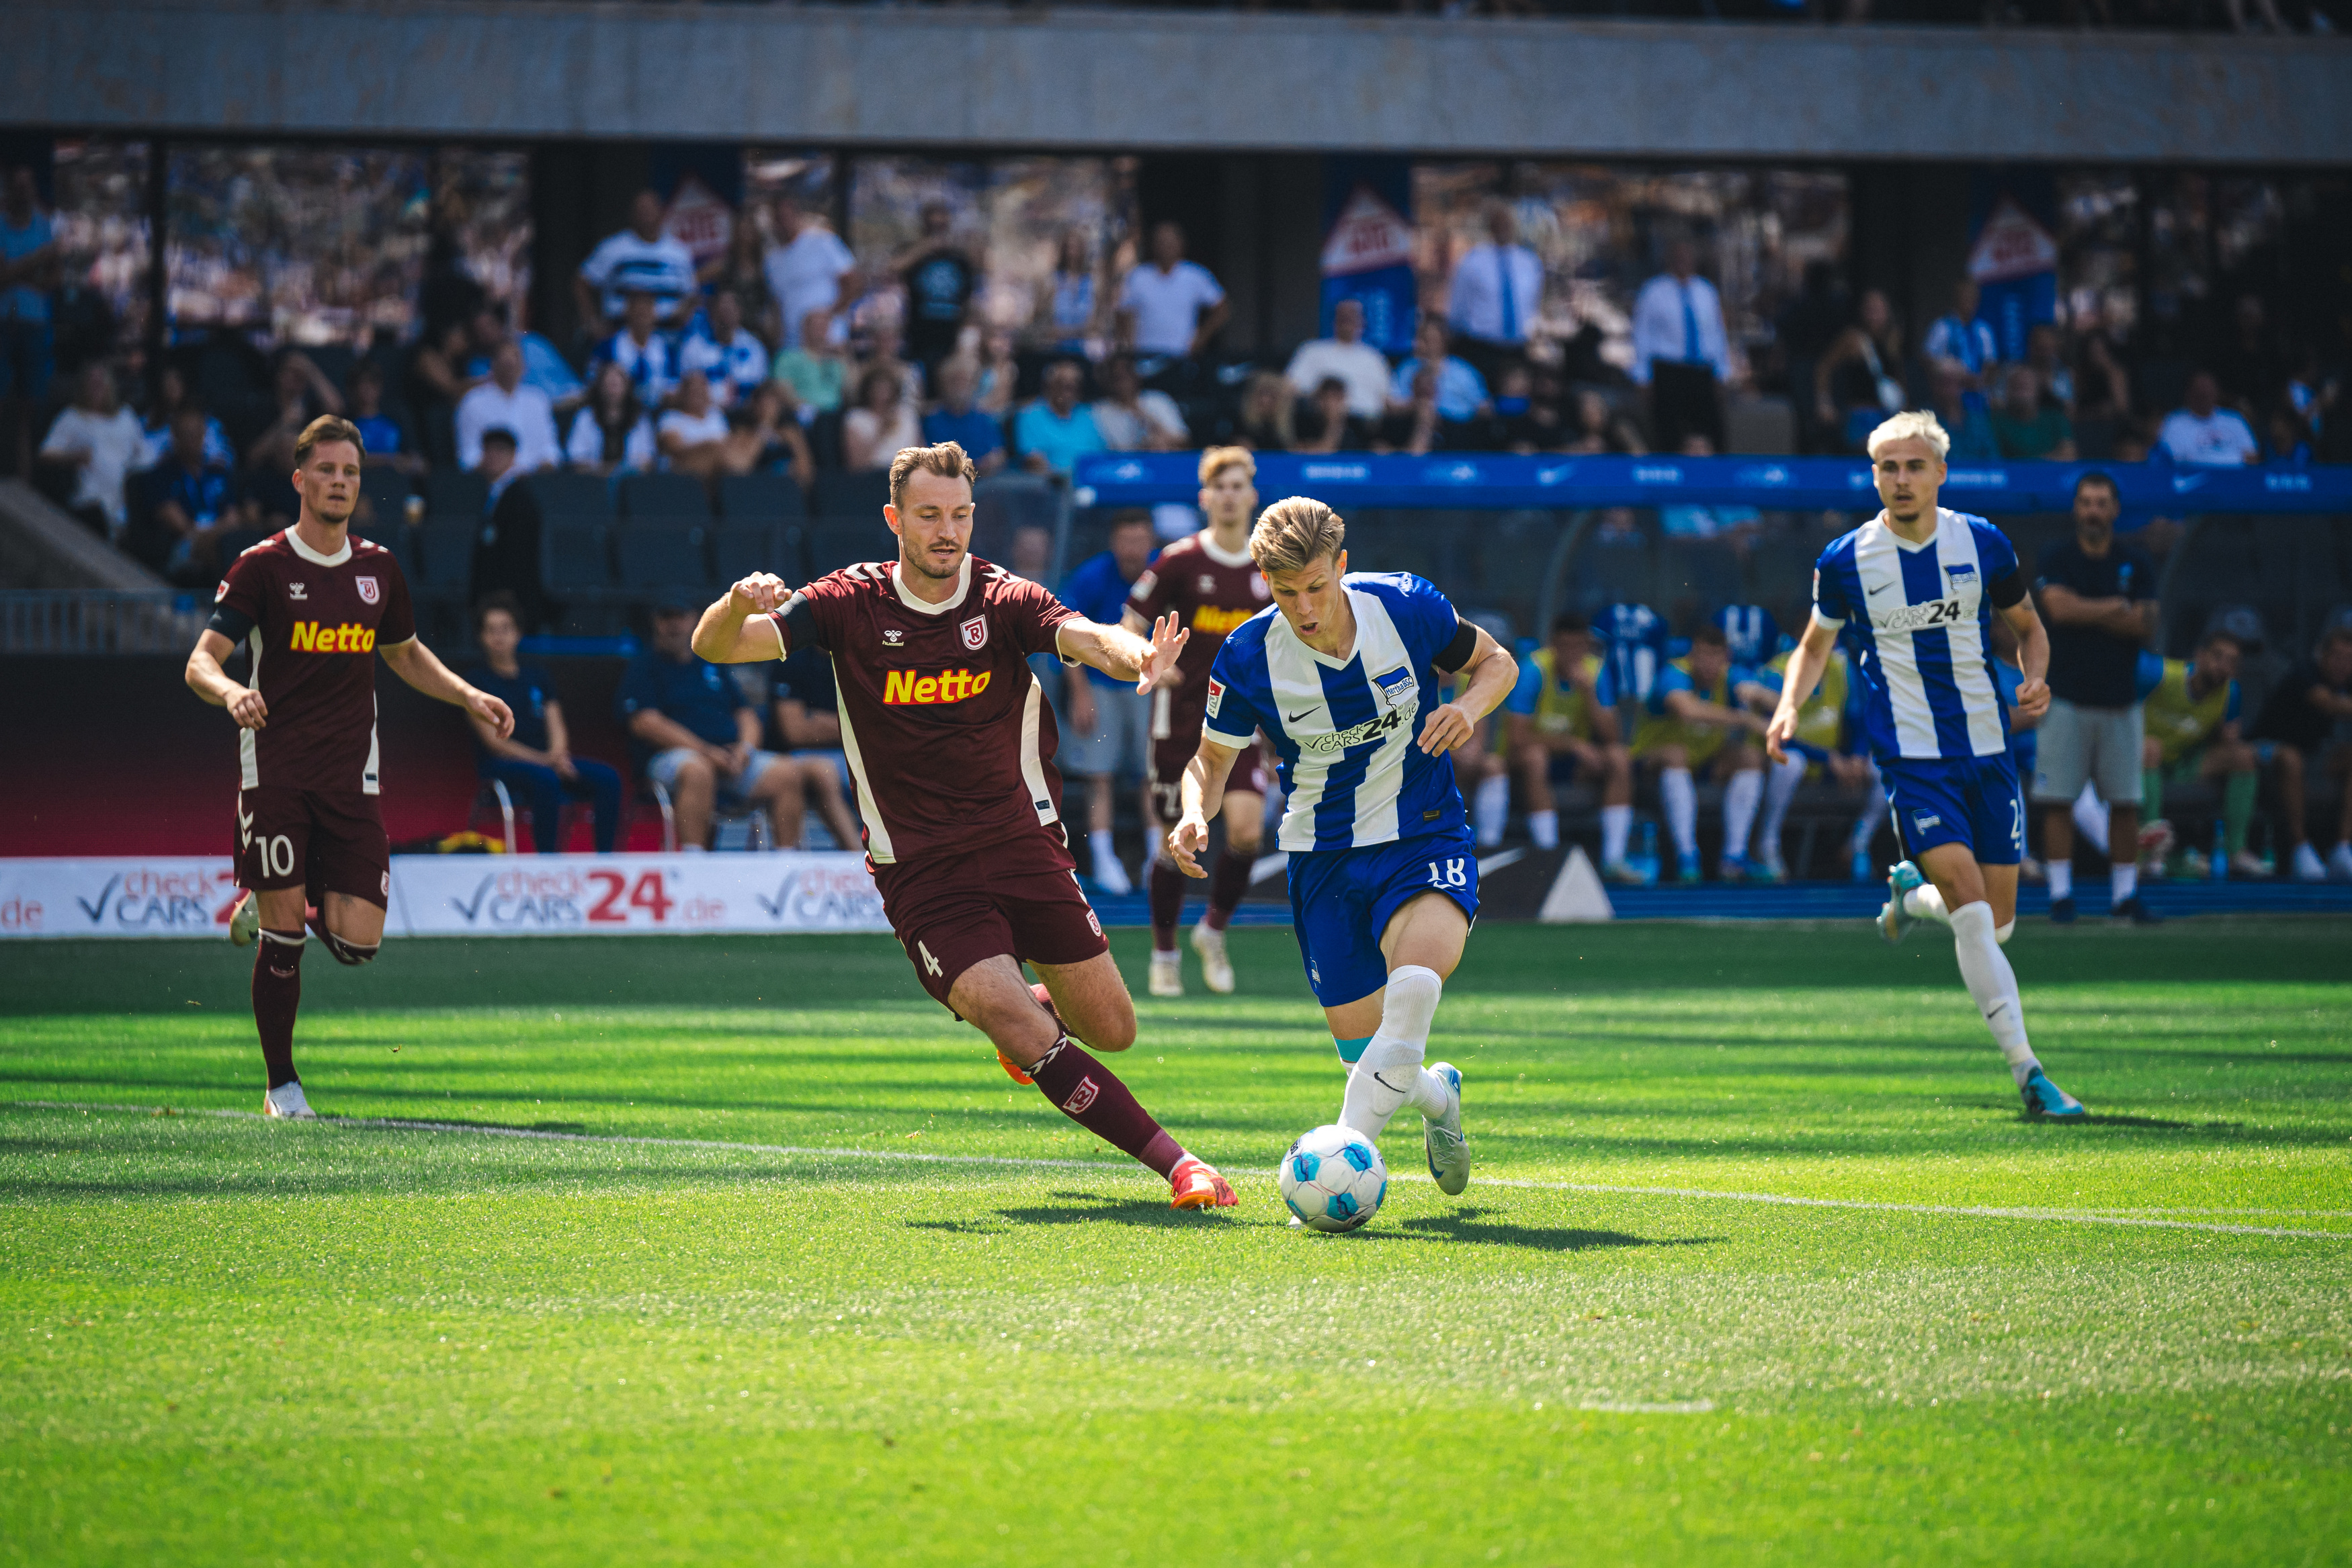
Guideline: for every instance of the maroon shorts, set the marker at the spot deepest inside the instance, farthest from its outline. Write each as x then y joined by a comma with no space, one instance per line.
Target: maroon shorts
950,915
1253,774
323,841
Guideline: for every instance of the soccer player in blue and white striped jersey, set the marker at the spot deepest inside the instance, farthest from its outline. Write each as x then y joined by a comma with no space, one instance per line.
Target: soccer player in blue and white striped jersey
1912,593
1341,673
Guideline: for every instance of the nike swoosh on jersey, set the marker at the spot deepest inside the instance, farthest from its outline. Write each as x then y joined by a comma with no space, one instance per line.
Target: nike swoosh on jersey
1295,718
1875,593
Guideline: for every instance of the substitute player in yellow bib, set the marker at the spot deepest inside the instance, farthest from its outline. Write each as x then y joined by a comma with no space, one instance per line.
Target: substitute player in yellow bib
1560,723
2190,721
1692,725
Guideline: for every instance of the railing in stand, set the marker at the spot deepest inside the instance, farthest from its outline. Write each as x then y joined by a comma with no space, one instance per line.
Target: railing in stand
54,621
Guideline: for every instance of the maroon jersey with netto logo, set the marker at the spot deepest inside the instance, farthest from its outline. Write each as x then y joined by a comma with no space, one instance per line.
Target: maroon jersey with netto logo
1211,593
948,735
312,624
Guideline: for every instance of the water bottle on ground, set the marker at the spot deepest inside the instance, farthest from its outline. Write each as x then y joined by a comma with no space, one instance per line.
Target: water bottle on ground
2220,871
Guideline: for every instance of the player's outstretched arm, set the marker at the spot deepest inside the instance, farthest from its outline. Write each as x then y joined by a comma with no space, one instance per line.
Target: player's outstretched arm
414,663
1201,795
1797,684
209,681
1120,654
736,629
1485,681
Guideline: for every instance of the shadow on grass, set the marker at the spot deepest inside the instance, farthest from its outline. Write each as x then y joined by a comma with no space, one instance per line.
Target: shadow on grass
1072,1208
1475,1225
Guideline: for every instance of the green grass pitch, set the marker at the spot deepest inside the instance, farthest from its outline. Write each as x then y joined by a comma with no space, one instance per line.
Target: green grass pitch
729,1317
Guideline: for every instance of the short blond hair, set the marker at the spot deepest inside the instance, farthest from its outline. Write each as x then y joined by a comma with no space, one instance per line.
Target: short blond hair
948,459
1294,532
1911,422
1217,459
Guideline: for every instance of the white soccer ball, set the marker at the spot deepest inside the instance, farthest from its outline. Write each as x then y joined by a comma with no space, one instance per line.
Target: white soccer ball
1333,1179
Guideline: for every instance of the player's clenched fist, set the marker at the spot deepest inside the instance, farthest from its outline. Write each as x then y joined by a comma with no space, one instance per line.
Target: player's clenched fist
1186,841
759,593
247,708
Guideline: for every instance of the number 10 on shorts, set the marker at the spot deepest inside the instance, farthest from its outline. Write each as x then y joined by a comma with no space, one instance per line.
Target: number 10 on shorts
1456,872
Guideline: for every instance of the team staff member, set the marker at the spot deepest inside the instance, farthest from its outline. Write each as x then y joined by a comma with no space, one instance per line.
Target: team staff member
701,736
2098,596
313,607
536,758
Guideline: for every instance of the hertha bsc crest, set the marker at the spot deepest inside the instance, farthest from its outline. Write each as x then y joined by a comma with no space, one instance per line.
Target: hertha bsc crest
368,589
975,632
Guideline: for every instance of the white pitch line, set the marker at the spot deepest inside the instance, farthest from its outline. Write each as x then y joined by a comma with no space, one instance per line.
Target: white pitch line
1964,1211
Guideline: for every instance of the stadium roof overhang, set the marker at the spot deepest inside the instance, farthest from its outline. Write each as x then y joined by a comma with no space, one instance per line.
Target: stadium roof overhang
1165,79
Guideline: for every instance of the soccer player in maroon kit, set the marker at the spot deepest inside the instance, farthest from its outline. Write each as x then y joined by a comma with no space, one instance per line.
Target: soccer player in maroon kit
951,742
1211,585
313,607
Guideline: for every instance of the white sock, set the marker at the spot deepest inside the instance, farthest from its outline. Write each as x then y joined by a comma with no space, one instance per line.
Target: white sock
2091,817
1389,1072
1106,867
2122,880
1779,789
1926,901
1545,826
2062,878
1491,809
2002,933
1992,985
1739,798
1681,801
1616,827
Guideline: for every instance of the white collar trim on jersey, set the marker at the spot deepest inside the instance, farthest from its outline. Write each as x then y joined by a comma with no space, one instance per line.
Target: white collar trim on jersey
294,541
924,606
1222,558
1905,545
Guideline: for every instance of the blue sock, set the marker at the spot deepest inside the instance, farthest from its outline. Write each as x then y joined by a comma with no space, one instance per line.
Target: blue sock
1351,1051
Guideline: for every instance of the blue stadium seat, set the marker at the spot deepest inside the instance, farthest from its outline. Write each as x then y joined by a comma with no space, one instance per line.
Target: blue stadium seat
450,493
445,548
572,557
761,498
862,496
587,497
833,544
738,550
388,490
659,555
671,498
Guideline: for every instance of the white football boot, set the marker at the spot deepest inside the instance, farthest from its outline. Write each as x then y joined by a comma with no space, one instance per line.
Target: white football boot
1166,974
1216,968
285,1100
1442,1139
245,919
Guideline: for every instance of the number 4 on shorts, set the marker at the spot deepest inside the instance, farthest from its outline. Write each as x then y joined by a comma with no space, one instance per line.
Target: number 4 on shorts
930,964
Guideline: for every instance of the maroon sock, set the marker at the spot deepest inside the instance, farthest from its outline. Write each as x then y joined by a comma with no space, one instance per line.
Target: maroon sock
1167,905
1227,883
276,994
1090,1094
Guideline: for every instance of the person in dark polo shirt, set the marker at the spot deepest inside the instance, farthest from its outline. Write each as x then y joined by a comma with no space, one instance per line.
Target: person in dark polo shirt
699,736
535,763
2098,597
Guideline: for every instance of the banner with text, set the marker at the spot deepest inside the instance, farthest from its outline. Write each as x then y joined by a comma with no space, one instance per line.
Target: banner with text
465,895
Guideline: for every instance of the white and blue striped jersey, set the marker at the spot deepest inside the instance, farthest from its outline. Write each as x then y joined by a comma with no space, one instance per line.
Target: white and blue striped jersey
1915,619
1345,728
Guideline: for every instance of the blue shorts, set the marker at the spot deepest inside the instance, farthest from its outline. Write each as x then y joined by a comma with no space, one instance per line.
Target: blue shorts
1972,801
1342,900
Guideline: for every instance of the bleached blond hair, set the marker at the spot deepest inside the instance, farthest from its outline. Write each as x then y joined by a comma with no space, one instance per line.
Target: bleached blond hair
1294,532
1910,423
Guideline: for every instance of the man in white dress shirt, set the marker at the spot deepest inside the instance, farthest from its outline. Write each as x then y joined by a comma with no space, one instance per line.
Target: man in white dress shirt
1169,305
1681,352
505,402
1496,294
1346,358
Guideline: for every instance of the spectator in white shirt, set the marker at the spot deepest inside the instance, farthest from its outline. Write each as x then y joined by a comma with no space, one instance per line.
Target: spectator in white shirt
2205,435
882,424
506,403
611,433
1461,390
1681,352
638,258
648,357
99,440
1345,357
1133,419
805,272
1497,293
693,436
1169,305
726,350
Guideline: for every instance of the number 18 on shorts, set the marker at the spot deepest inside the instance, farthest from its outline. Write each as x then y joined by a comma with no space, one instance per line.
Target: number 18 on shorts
1342,900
